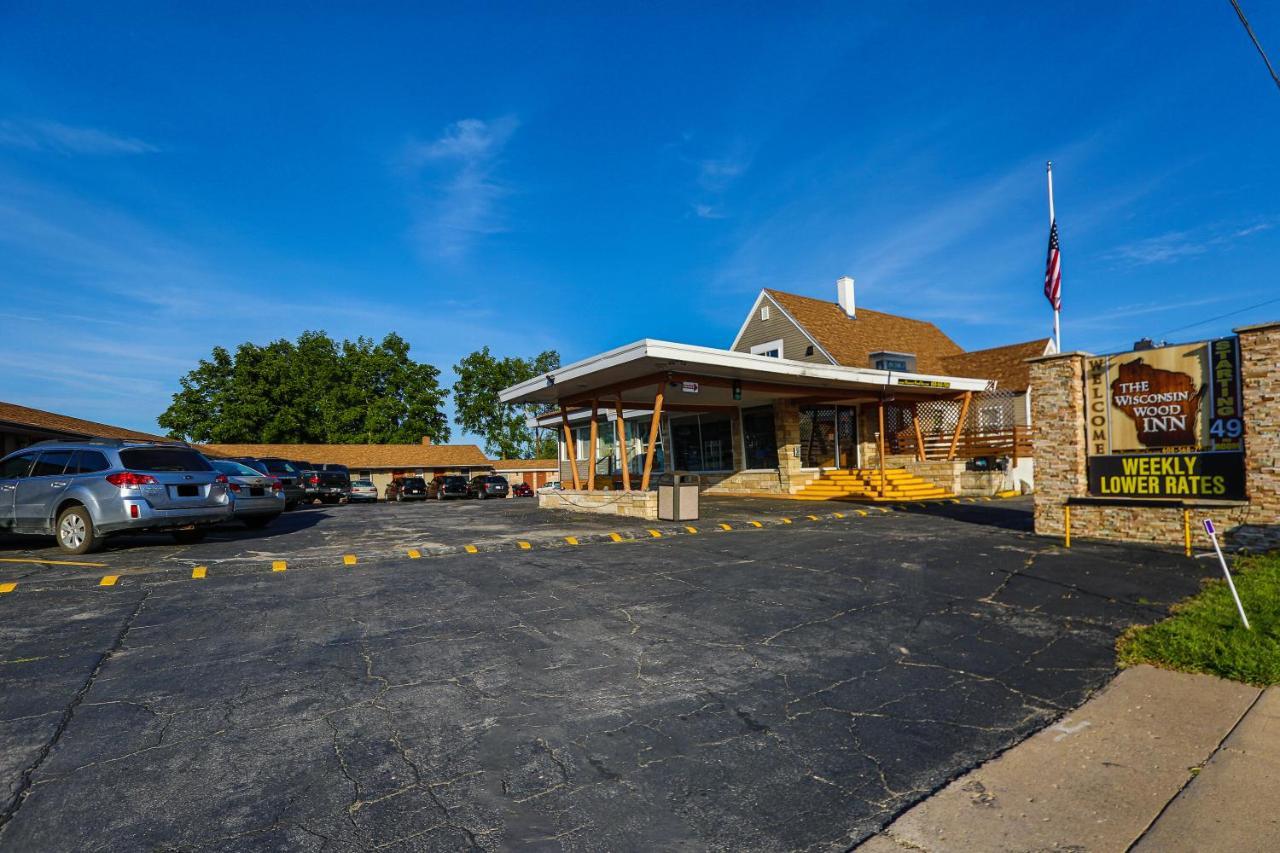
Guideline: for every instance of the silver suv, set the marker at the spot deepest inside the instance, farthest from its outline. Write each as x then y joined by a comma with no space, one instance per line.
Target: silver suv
82,491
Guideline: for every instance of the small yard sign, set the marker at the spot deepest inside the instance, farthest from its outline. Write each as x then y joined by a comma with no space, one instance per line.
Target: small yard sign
1213,537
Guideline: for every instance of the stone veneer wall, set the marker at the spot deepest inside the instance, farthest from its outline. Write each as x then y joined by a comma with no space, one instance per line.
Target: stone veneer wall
633,504
1058,437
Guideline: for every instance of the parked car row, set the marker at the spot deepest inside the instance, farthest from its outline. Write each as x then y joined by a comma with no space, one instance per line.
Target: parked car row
82,491
448,486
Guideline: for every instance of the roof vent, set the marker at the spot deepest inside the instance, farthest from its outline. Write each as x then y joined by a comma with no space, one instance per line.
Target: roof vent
844,295
426,440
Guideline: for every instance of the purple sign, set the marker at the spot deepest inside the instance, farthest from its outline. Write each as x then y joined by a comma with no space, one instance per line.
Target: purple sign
1208,527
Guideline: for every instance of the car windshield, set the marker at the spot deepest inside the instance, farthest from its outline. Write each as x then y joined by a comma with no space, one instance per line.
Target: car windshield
235,469
279,466
164,459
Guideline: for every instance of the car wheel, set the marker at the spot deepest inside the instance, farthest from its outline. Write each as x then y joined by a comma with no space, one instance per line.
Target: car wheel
189,537
76,534
257,522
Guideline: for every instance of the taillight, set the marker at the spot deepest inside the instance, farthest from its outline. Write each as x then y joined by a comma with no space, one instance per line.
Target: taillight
129,479
221,478
277,486
235,487
315,481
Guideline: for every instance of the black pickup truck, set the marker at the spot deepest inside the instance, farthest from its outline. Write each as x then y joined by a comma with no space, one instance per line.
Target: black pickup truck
327,482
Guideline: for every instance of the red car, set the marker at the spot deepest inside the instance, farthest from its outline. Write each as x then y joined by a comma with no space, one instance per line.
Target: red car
522,490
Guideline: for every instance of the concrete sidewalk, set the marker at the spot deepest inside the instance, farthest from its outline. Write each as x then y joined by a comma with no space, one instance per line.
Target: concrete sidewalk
1156,761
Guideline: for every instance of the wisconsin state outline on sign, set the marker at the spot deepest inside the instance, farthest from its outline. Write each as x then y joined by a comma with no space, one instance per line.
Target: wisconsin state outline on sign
1164,405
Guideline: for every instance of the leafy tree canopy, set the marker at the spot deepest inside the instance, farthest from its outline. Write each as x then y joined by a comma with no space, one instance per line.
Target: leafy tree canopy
314,390
479,411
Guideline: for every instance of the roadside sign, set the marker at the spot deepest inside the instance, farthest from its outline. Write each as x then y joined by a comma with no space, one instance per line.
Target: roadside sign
1213,537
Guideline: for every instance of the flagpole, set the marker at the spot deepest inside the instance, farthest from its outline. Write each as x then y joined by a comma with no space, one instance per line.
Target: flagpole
1057,329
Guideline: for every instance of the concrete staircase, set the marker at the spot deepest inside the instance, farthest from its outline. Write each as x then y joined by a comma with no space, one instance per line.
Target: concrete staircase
863,484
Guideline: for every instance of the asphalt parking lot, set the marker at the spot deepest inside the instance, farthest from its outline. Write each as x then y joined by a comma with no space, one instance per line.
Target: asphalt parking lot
791,685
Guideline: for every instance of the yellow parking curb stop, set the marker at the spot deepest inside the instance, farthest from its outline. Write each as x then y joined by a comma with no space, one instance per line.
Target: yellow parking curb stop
524,546
470,549
109,580
279,565
414,554
615,537
655,534
725,527
692,529
572,540
755,524
7,587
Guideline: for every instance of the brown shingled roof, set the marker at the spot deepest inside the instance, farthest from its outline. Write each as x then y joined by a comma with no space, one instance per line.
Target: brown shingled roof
364,455
1007,364
38,419
851,341
525,464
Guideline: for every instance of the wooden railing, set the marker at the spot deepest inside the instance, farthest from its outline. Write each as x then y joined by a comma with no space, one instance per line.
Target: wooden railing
1014,442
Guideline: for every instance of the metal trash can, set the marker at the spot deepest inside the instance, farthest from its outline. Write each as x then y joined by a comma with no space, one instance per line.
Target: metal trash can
678,497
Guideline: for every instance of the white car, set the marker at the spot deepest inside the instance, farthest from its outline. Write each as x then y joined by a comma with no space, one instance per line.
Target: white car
552,486
362,490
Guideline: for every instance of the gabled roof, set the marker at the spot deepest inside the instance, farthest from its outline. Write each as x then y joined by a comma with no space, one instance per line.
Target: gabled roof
364,455
38,419
851,341
1007,364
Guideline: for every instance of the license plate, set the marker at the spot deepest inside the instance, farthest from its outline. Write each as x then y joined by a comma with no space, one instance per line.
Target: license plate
255,491
188,491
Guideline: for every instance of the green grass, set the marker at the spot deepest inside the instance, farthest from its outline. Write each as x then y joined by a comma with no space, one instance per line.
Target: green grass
1204,633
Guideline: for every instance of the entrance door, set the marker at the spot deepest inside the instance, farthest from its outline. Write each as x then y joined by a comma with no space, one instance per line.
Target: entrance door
847,436
818,436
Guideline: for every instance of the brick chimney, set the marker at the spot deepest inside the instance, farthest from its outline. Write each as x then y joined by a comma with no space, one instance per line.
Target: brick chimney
426,439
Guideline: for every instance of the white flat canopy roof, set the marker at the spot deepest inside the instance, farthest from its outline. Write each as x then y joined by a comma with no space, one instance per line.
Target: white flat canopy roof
625,366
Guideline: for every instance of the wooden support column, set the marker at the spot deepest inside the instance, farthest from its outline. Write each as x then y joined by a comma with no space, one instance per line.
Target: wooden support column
964,414
915,421
622,446
880,413
591,454
568,446
654,425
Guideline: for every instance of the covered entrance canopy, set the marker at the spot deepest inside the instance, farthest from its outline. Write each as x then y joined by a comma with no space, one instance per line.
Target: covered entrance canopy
658,376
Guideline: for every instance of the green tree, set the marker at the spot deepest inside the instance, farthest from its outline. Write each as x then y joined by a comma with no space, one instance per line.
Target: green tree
481,376
311,391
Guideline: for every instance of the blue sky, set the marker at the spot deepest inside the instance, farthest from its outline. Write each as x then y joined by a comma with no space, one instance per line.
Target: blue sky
529,176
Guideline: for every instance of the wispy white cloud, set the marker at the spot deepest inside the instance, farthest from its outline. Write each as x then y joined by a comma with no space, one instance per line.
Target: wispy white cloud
457,186
1180,245
59,138
707,211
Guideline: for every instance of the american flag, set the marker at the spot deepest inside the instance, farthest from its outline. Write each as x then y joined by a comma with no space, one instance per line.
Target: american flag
1053,270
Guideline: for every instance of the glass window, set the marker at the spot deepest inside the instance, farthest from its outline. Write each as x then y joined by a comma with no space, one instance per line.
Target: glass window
758,437
234,469
16,466
51,463
891,364
702,442
164,459
88,462
638,444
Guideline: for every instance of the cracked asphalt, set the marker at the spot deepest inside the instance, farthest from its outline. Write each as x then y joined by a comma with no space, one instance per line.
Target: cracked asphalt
791,687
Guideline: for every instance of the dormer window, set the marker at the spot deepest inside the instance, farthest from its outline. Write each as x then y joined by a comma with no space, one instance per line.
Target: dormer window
898,362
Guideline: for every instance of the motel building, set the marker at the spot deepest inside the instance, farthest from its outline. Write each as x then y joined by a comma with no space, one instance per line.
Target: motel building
813,400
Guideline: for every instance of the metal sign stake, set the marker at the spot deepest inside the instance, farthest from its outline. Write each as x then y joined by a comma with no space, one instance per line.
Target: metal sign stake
1213,537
